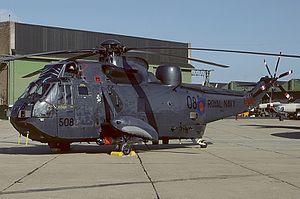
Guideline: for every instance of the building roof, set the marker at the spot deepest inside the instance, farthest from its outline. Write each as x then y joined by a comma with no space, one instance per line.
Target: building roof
31,38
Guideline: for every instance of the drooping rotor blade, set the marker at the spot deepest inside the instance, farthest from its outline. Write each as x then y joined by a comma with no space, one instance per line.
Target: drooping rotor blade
285,74
89,54
216,50
286,94
277,65
50,53
180,57
268,69
33,73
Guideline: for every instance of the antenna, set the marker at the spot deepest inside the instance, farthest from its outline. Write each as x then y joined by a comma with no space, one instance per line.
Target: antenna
203,73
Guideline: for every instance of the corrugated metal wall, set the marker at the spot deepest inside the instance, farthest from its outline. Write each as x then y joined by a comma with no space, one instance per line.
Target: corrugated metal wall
35,38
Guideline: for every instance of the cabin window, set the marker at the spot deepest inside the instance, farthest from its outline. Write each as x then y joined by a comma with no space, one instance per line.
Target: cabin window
68,94
61,94
83,90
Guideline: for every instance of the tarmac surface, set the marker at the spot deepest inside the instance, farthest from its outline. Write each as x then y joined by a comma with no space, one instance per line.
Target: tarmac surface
247,158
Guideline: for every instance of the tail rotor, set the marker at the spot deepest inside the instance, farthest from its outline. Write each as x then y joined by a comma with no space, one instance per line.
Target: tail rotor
274,79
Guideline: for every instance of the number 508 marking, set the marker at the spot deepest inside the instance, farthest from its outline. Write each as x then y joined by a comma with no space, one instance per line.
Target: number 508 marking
66,121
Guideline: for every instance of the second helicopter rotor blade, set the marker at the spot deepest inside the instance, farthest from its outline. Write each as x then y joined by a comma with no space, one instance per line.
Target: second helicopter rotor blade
180,57
285,74
268,69
286,94
276,68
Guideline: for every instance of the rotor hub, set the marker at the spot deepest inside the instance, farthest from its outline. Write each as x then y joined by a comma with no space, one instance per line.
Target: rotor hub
113,47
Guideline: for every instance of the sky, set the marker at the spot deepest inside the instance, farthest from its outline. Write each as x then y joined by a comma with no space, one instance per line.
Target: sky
256,25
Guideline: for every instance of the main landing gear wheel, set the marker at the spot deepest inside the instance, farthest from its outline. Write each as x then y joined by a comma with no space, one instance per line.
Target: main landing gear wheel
165,140
125,148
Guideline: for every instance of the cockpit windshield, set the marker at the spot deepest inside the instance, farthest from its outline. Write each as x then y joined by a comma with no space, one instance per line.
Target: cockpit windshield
36,89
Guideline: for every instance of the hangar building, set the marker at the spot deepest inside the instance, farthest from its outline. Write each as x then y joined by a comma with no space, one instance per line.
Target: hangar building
19,39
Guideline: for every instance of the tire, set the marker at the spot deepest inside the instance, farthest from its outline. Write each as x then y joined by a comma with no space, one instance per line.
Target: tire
154,142
280,118
165,140
126,149
203,146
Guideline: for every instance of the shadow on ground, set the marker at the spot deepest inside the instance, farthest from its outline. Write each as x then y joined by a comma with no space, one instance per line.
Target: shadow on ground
76,148
290,135
273,126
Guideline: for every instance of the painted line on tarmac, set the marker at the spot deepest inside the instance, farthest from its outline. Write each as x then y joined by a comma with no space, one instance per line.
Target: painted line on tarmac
253,170
28,174
148,176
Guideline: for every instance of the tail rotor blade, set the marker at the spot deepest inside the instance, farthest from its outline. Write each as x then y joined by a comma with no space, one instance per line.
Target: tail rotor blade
276,68
286,94
285,74
268,69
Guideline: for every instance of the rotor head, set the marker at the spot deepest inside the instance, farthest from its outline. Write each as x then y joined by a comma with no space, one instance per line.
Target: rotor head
112,47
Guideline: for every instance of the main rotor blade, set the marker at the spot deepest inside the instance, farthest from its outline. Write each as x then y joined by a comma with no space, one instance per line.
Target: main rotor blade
216,50
33,73
285,74
268,69
180,57
89,54
277,65
49,53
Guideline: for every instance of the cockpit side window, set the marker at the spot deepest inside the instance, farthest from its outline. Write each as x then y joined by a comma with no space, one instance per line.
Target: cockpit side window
65,95
83,90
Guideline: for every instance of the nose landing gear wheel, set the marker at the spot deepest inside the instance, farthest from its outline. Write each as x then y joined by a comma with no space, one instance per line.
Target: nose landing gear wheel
202,143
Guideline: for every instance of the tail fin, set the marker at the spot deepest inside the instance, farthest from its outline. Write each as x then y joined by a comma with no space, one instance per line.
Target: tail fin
253,97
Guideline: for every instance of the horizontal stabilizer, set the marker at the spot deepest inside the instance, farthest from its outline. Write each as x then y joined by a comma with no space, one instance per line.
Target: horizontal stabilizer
134,127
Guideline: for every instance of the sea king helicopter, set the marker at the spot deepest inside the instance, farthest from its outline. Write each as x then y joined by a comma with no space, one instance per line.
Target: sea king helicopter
115,100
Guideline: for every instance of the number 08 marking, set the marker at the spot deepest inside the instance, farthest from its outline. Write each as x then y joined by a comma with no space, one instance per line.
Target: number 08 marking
191,102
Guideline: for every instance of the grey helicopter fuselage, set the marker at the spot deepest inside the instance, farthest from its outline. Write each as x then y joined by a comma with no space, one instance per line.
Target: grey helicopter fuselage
77,101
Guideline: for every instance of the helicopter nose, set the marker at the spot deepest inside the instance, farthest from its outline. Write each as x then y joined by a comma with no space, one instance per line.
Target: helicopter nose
19,124
22,109
19,113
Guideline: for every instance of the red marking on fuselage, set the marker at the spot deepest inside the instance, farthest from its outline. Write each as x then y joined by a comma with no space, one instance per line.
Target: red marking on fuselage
249,101
97,79
108,140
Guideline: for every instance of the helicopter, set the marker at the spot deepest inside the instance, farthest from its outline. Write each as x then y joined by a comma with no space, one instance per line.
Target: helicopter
290,109
115,100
